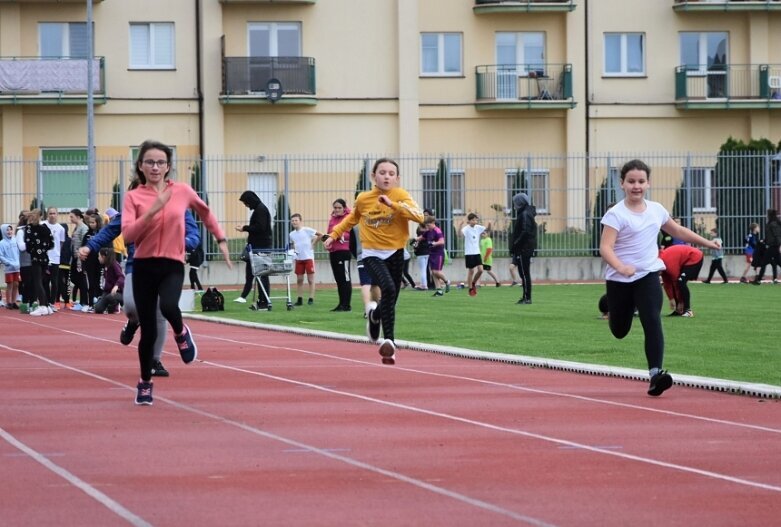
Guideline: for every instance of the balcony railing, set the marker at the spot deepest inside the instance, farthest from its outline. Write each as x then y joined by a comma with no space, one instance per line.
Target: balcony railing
509,6
39,79
727,5
249,76
266,1
524,86
728,86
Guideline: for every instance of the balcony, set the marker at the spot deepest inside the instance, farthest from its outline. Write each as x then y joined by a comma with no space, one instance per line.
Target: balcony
524,86
36,80
727,5
522,6
753,86
245,79
278,2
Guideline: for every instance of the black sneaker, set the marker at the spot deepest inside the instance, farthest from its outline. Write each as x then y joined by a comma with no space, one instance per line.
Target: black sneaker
300,301
128,332
187,348
372,326
388,352
674,314
144,394
158,370
310,302
659,383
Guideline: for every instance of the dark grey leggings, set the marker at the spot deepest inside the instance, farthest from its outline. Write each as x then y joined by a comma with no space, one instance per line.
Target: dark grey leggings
387,275
644,294
156,280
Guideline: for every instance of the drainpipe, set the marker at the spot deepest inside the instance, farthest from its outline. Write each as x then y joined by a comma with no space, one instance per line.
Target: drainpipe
198,85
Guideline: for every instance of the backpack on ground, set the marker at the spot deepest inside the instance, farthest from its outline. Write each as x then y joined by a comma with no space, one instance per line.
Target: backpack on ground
210,301
220,299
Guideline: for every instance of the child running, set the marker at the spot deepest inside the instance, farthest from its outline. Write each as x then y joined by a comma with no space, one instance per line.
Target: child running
153,219
629,247
383,214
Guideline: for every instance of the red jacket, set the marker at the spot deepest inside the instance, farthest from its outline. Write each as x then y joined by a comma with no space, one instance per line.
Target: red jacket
675,258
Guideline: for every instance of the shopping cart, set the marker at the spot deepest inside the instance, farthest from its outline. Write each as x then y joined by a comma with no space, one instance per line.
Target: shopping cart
270,262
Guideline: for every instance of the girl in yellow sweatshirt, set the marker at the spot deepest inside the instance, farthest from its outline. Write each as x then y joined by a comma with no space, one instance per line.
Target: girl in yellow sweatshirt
384,213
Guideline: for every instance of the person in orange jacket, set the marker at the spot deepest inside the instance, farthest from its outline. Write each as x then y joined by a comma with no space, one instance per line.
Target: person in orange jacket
683,263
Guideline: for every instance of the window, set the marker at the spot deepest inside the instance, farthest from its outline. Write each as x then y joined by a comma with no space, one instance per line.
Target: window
63,40
274,39
705,55
524,51
703,195
440,54
534,183
152,46
624,54
434,193
65,177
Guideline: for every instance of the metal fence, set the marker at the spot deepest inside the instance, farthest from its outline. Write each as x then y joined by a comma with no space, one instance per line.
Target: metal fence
570,192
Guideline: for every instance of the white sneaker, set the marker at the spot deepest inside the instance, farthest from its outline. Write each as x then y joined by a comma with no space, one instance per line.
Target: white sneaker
76,307
240,300
85,309
50,309
39,311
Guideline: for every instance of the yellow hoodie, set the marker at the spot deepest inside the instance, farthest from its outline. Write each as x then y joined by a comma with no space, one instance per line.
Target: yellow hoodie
381,227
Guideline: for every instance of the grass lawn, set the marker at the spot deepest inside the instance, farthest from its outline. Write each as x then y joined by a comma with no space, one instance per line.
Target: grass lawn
734,335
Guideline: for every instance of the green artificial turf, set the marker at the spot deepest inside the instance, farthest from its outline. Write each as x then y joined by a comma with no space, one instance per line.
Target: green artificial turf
734,335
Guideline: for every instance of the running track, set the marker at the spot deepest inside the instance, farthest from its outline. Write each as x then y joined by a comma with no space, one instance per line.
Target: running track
269,428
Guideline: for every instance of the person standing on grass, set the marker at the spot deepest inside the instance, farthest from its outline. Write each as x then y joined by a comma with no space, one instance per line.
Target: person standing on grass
436,257
629,248
487,255
259,234
772,247
302,240
682,264
339,256
384,213
717,258
524,243
749,246
421,250
474,262
153,220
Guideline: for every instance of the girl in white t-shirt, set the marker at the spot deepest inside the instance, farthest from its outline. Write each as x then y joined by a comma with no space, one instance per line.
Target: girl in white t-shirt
629,247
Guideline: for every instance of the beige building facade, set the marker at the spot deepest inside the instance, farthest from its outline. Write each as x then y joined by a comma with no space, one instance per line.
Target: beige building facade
264,78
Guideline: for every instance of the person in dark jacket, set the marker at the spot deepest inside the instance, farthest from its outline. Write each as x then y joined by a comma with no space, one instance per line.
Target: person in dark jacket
772,246
259,233
38,241
524,242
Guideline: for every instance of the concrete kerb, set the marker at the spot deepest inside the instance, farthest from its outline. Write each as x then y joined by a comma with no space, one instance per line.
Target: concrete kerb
692,381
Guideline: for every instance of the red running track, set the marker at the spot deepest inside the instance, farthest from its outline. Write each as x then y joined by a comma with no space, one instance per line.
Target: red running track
270,428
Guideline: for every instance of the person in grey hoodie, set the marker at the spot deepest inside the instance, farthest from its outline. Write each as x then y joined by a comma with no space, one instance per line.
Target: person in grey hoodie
9,257
524,242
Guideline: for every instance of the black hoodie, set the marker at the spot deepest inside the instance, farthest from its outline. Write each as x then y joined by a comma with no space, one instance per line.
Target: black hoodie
259,227
525,228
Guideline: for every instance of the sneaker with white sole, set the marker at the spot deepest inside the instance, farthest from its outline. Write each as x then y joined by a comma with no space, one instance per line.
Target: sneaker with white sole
187,348
372,325
388,352
39,311
144,393
158,370
76,307
240,300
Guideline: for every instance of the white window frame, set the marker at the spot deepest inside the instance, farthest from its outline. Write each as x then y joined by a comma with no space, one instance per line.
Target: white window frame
152,37
441,49
457,191
705,191
65,51
624,55
702,50
520,51
273,29
540,197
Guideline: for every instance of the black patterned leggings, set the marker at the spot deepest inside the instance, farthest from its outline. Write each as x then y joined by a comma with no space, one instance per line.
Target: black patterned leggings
387,275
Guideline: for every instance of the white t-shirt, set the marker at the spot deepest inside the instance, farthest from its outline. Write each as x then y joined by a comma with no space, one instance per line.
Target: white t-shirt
472,238
636,243
302,242
58,234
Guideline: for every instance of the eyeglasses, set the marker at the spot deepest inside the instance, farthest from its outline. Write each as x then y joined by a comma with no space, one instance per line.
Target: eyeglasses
151,162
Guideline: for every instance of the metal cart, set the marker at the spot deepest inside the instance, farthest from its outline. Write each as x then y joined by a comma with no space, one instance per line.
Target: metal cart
270,262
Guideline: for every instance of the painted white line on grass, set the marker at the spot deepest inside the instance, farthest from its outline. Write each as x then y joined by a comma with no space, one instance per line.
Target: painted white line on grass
77,482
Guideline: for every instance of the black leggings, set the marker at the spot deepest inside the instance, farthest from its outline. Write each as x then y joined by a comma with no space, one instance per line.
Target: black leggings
195,283
387,275
156,279
79,281
771,258
37,290
524,262
715,265
688,272
644,294
249,280
340,267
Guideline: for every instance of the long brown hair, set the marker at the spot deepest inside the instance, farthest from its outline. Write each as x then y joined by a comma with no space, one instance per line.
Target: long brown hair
108,256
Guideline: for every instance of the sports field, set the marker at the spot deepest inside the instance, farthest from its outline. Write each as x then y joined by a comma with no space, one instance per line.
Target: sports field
734,335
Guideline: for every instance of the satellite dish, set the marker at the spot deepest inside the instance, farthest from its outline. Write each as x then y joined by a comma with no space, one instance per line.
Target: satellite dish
274,90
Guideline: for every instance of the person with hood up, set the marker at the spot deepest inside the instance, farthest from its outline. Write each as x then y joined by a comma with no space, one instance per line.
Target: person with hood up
524,242
9,257
259,232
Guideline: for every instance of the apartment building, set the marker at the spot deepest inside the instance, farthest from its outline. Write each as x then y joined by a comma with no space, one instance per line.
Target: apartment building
270,77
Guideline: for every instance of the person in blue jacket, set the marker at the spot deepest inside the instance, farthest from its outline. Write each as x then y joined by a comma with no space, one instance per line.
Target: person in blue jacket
192,239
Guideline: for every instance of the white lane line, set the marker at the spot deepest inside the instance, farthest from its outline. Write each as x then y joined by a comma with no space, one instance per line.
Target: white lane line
484,505
77,482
